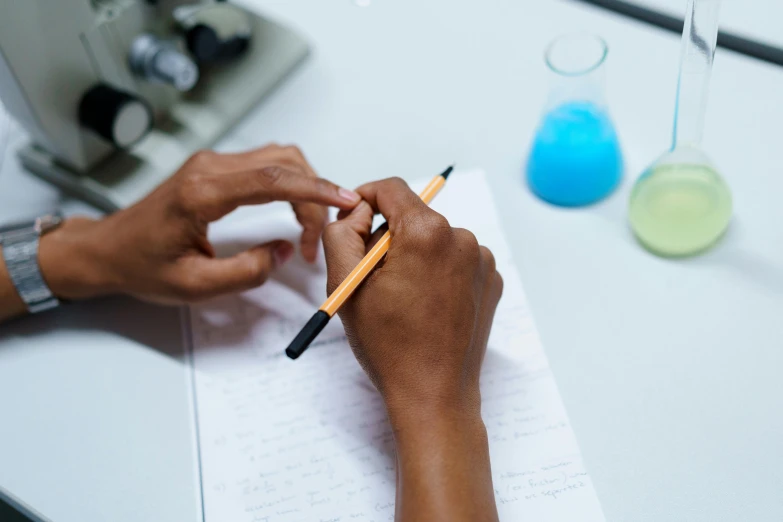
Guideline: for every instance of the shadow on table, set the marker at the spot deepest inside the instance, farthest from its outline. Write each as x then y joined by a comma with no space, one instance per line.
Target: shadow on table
291,296
152,326
728,254
157,327
751,266
295,274
240,331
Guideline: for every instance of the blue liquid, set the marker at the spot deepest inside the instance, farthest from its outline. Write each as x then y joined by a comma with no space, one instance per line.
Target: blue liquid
576,158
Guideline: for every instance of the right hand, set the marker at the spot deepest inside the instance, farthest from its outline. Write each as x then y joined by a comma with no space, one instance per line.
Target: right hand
420,322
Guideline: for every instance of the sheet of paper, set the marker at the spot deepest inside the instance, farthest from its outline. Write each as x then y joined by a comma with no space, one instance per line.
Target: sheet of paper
308,441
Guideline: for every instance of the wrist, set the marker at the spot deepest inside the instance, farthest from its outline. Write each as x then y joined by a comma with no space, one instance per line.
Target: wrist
71,261
414,405
443,466
420,425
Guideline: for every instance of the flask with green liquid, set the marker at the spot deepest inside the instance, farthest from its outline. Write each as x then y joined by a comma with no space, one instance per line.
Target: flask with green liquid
681,206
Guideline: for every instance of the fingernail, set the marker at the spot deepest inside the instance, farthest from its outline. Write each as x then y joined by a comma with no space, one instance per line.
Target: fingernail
283,253
349,195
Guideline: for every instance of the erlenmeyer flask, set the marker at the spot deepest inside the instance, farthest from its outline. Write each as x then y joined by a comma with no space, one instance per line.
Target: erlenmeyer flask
681,206
575,158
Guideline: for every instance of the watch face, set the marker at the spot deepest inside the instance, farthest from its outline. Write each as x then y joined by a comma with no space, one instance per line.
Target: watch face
48,223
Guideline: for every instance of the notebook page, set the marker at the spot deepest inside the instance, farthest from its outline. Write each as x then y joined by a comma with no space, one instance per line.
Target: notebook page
285,441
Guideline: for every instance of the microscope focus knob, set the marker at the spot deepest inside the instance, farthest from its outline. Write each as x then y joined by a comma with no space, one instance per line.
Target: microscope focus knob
214,33
119,117
158,61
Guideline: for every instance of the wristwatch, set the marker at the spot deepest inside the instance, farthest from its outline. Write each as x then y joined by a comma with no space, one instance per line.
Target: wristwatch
20,250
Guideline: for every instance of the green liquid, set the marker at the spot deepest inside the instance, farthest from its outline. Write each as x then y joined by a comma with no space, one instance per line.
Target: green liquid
680,210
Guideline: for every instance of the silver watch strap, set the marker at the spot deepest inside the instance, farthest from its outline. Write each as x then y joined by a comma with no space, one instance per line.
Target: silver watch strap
20,250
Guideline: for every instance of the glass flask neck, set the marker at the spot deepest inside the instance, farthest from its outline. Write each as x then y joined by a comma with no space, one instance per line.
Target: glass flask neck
587,88
576,64
699,39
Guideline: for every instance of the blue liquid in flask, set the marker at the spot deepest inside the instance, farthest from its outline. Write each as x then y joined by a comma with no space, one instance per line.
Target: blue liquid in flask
575,159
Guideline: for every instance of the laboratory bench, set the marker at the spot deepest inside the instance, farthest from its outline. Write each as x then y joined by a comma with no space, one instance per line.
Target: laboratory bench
669,369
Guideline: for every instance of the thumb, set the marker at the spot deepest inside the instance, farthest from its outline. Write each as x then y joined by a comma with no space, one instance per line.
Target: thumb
345,243
246,270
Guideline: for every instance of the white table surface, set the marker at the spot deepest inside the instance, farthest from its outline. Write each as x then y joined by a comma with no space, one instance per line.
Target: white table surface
670,370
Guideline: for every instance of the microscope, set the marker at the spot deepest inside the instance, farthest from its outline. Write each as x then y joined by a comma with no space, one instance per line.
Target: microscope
117,94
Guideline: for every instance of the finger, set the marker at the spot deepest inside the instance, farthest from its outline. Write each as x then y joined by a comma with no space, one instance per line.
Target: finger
497,287
209,161
488,262
297,154
376,236
312,217
208,278
491,281
489,303
344,244
218,194
289,155
395,200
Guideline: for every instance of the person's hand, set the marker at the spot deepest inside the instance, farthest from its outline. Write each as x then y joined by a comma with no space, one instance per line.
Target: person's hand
419,326
158,250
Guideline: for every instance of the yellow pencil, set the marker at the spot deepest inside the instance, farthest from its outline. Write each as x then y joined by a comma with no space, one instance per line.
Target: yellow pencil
354,279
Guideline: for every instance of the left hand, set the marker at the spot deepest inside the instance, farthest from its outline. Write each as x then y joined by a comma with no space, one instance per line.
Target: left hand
158,249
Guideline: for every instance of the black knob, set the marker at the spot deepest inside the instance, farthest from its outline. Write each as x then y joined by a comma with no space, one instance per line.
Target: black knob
119,117
214,33
203,43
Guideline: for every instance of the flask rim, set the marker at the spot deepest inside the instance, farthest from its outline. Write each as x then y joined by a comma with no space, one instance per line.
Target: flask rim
585,43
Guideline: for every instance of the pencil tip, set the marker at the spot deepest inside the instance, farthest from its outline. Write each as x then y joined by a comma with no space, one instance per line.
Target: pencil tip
448,171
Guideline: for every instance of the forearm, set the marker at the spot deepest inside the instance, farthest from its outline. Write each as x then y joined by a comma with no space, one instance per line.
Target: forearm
443,468
69,260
